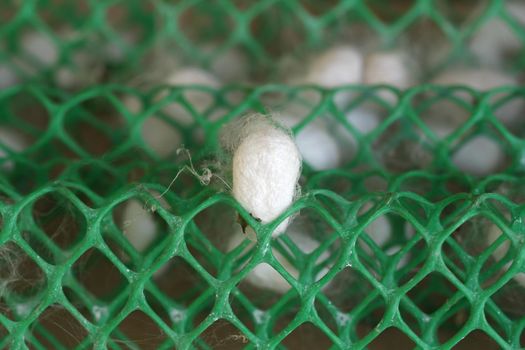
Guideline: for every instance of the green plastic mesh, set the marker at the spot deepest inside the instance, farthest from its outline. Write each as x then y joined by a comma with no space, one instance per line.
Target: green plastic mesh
71,279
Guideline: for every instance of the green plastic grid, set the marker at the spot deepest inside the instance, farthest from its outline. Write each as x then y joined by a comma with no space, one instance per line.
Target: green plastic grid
378,295
121,38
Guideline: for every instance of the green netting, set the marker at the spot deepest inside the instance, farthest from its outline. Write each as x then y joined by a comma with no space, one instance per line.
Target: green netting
61,234
71,279
77,43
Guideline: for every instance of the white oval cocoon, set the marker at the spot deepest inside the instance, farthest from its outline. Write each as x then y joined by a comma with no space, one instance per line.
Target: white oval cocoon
479,79
139,225
484,79
363,119
318,147
231,66
338,66
387,68
199,100
266,169
161,137
496,40
13,141
8,76
41,47
479,156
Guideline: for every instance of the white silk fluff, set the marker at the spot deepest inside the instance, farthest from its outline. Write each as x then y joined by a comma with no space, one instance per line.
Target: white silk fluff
266,168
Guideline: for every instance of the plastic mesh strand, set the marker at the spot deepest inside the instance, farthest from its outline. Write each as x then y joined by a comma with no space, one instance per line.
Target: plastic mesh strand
83,270
115,39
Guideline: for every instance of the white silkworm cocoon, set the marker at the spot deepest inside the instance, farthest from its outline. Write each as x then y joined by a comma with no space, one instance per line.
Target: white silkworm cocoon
479,156
341,65
266,167
199,100
494,232
140,227
486,79
316,144
363,119
479,79
264,276
13,141
85,69
8,76
161,137
380,231
495,41
231,66
387,68
41,47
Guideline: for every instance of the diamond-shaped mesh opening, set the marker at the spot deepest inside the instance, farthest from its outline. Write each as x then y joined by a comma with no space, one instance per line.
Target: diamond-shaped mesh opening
28,110
56,327
100,277
478,339
95,119
307,335
135,231
432,292
223,335
190,285
138,329
53,226
453,317
22,282
371,318
391,336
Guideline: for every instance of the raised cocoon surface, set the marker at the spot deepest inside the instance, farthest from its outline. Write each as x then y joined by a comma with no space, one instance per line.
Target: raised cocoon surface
266,167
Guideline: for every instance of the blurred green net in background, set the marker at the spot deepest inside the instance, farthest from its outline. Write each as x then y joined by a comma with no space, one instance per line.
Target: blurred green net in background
71,278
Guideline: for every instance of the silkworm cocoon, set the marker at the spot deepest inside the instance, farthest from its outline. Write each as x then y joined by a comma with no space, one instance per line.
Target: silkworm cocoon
161,137
231,66
495,40
140,226
493,234
8,76
380,231
479,156
85,69
479,79
41,47
387,68
318,147
264,276
12,141
338,66
266,167
341,65
363,119
199,100
485,79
